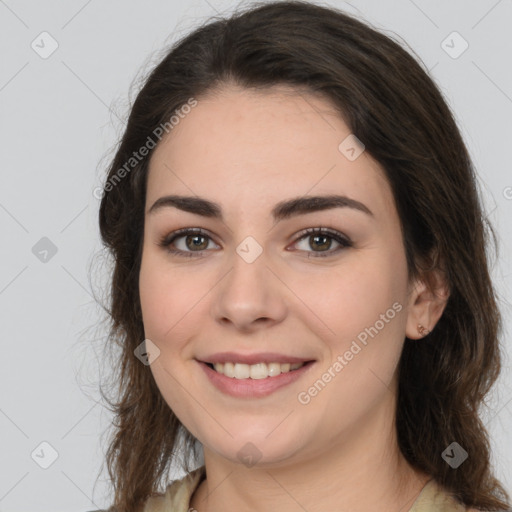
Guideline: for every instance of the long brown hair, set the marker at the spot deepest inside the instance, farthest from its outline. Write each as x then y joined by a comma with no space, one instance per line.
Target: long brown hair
388,100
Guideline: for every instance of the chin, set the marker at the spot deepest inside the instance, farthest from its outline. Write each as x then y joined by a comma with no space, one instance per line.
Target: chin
258,450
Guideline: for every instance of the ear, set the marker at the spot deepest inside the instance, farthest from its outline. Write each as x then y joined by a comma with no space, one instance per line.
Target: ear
427,302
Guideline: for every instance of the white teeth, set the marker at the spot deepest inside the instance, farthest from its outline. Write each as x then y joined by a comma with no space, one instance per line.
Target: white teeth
273,369
242,371
229,370
254,371
258,371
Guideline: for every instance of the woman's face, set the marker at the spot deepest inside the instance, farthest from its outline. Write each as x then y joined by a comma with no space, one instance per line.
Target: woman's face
253,283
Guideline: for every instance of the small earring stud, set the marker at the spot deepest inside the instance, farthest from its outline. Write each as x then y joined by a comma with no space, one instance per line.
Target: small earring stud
422,330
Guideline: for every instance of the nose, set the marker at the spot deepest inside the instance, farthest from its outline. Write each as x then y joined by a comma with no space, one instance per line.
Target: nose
250,296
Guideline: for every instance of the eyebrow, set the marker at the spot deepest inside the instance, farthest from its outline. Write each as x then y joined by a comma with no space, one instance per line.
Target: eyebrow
282,210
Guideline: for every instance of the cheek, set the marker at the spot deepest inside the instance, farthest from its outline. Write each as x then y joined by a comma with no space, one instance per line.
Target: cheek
362,303
167,311
354,295
166,299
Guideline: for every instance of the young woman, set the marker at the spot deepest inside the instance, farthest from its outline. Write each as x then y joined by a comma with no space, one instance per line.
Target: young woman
300,289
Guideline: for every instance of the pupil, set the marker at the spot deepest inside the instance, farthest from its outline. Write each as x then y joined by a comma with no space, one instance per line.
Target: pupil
195,240
319,237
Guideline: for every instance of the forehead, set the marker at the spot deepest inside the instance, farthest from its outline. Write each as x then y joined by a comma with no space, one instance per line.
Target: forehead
255,147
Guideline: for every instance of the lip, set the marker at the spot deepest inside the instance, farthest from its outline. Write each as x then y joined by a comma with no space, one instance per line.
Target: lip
263,357
253,388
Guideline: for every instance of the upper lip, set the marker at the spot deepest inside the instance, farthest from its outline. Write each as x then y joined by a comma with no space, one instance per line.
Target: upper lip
264,357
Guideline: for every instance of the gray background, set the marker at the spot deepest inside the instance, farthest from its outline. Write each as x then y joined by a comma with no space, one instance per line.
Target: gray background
60,117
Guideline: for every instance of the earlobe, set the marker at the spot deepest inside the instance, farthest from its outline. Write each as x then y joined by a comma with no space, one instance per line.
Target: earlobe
426,305
423,330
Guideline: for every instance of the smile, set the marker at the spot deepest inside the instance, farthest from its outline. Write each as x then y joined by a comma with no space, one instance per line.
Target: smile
254,371
253,381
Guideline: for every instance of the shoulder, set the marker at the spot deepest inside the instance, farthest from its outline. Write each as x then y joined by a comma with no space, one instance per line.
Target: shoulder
177,494
435,498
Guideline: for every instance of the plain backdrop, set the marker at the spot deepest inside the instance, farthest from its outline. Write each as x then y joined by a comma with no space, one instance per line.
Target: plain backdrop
65,80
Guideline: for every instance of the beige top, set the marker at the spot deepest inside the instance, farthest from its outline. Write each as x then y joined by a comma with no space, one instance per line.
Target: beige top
178,493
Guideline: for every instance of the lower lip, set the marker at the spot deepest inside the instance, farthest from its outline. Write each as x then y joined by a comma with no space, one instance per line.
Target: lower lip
253,388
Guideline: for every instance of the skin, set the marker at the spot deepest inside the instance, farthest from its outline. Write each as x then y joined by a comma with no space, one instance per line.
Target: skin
248,150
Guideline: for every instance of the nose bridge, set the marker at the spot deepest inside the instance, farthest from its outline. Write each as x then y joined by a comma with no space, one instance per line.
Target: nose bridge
247,279
249,291
249,250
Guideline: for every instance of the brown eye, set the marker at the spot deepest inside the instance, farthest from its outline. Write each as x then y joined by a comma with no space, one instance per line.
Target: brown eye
194,242
186,242
320,240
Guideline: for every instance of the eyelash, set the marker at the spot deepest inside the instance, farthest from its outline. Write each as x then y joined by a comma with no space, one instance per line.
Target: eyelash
167,240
